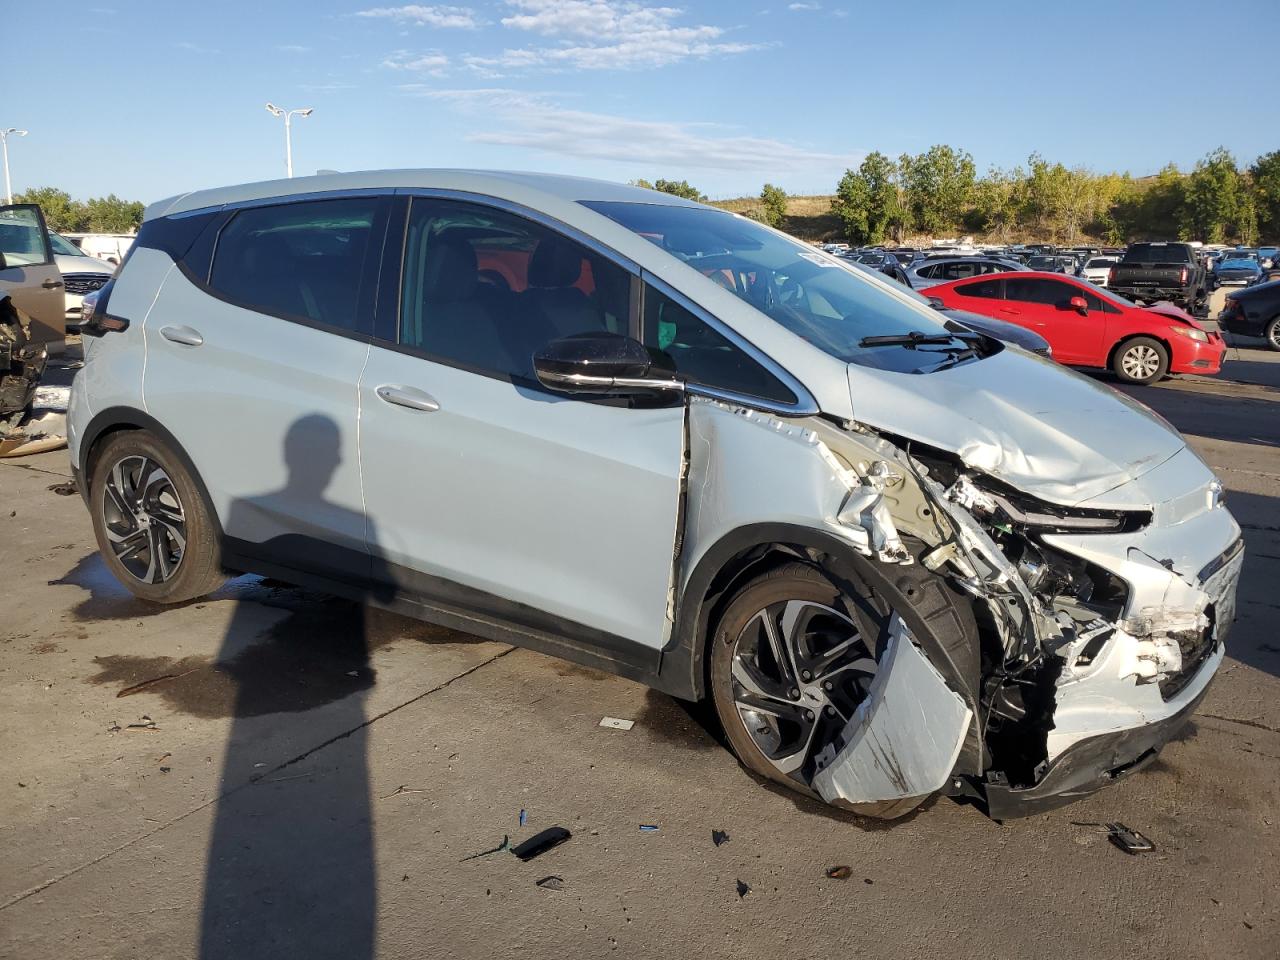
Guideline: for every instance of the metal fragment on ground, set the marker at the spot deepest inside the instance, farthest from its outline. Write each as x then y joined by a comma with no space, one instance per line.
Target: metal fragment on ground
540,843
617,723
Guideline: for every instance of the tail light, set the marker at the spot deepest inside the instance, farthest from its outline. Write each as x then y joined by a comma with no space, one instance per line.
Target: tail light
1111,276
1182,277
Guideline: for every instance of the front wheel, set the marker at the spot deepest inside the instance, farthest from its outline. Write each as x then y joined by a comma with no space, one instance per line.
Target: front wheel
1141,360
153,527
793,657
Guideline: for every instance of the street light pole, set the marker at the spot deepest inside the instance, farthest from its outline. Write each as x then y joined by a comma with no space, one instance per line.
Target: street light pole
4,144
288,136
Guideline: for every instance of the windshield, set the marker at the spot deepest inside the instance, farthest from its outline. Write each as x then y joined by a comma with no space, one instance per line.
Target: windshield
1238,258
818,298
1043,263
1097,262
871,258
61,245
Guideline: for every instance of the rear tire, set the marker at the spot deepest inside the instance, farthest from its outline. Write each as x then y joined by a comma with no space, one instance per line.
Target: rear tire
1140,360
1272,334
154,529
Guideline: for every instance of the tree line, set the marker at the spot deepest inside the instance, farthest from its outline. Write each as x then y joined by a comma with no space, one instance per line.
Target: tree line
62,214
939,193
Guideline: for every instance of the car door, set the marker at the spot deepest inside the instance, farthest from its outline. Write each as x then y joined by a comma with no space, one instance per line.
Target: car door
488,495
28,274
253,364
1044,305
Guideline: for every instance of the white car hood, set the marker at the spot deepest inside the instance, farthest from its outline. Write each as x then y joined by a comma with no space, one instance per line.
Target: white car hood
69,264
1046,430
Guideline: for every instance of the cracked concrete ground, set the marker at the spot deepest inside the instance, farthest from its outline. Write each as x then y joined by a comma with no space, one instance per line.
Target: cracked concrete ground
308,778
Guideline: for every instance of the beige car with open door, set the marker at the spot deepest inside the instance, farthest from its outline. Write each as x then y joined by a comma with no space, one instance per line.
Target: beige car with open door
28,274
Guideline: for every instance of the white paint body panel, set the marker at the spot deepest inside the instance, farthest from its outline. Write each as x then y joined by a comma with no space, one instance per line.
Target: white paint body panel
564,505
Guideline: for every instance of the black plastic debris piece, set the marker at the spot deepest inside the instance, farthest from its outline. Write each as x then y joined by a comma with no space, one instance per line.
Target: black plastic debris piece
743,889
506,842
65,489
540,843
1130,841
719,837
550,883
840,872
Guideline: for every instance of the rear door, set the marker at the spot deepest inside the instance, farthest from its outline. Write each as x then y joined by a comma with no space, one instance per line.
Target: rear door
490,497
254,355
28,274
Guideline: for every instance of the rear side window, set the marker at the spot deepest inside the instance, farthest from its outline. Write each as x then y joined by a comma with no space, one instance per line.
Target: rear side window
691,347
987,289
485,289
298,261
1158,253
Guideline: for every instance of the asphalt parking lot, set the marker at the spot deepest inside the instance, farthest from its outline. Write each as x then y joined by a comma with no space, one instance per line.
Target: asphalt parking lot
307,779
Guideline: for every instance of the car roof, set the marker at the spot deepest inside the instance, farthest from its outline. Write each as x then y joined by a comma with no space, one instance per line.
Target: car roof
532,189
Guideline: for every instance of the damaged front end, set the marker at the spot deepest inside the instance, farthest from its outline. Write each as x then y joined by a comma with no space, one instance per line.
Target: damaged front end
22,365
1095,630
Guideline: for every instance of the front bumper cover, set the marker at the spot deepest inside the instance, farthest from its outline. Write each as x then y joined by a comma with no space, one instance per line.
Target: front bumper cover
1090,764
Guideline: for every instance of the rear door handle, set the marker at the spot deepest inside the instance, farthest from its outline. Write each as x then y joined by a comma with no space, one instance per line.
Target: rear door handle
184,335
51,284
409,397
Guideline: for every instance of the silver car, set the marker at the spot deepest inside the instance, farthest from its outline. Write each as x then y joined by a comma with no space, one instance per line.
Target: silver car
926,273
669,442
81,273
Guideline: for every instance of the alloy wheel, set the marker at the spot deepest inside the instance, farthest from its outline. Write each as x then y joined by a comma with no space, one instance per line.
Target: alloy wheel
799,671
144,519
1273,334
1140,362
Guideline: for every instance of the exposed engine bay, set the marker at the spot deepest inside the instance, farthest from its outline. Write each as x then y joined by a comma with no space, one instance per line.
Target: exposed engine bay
22,364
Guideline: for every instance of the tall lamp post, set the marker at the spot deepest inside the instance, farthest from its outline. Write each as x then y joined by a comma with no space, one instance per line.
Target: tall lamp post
4,143
288,138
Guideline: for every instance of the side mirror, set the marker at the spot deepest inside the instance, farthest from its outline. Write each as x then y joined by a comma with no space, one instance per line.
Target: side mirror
1080,305
604,364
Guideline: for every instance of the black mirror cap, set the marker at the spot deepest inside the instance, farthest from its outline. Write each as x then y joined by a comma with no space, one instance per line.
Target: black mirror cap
601,363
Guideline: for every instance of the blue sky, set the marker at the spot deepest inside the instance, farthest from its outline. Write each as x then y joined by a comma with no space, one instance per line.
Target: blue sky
146,99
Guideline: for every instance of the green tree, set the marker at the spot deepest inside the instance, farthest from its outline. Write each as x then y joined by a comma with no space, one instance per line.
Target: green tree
1265,174
61,213
679,188
110,214
1214,194
867,200
997,203
774,201
939,187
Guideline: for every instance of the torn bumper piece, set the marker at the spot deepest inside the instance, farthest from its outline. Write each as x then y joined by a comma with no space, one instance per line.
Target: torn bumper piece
1096,762
904,738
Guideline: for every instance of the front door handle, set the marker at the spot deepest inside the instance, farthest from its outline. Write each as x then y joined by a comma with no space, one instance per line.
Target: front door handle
51,284
184,335
409,397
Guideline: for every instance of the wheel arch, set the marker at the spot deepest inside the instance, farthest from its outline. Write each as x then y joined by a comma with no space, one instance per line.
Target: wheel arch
115,420
1115,349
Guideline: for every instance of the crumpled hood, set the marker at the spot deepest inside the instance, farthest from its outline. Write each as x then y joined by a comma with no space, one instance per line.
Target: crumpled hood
1047,430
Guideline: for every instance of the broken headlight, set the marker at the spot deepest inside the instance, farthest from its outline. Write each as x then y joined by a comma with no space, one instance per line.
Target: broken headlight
1009,510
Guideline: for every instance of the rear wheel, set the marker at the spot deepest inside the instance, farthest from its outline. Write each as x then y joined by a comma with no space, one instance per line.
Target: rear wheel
793,656
1140,360
1272,333
153,527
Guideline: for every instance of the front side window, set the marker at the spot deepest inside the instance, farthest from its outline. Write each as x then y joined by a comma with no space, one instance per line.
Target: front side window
22,237
1048,292
818,298
485,289
299,261
692,348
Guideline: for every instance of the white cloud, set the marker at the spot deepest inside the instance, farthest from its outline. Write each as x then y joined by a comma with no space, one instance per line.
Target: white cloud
804,6
293,48
434,62
533,122
604,34
462,18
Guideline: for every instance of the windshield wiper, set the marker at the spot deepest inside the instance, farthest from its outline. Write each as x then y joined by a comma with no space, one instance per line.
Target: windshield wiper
913,339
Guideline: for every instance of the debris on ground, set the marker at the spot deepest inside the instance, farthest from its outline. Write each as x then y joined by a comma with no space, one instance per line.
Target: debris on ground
139,687
64,489
144,723
550,883
524,816
719,837
1130,841
617,723
840,872
505,844
648,827
403,789
743,889
540,843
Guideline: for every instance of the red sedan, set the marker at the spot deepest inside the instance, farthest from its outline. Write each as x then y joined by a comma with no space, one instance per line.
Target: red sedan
1088,326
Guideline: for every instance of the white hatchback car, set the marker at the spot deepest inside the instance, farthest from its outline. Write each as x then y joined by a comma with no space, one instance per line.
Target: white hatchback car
669,442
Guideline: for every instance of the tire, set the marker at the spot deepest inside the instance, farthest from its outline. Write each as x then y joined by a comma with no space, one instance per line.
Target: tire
154,529
1272,334
740,643
1140,360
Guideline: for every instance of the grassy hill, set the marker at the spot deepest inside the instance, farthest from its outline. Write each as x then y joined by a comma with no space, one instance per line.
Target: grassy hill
808,218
